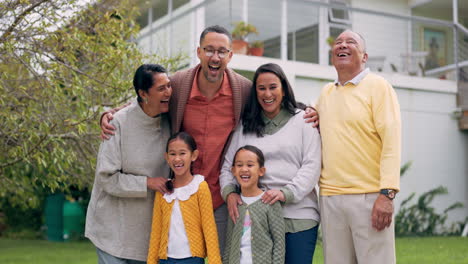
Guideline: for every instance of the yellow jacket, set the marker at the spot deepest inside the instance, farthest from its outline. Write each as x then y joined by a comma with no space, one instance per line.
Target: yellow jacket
197,213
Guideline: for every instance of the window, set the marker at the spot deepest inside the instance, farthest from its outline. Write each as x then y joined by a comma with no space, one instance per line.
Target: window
339,15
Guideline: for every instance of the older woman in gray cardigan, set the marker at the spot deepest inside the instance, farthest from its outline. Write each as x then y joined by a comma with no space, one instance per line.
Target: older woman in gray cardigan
292,151
130,167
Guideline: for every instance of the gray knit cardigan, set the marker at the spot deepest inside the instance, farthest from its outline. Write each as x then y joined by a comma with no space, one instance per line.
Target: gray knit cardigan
268,235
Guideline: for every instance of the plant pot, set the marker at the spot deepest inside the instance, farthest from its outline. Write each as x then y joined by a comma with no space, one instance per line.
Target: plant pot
256,51
239,46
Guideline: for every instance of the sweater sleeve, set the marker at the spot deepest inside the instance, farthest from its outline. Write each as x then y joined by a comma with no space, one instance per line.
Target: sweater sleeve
109,170
386,116
227,181
208,224
277,231
155,235
308,174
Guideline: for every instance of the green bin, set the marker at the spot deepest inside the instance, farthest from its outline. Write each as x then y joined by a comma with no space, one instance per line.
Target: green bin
73,221
54,216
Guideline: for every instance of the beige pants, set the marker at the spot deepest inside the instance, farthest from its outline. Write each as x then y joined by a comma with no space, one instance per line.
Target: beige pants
348,235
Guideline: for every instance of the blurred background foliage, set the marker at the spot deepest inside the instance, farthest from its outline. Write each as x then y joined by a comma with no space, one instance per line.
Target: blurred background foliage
61,63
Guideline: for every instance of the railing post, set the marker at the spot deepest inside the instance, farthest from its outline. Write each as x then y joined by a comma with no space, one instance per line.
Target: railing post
455,38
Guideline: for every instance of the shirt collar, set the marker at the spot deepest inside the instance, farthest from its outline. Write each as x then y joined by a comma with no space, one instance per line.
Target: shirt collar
282,116
356,80
224,90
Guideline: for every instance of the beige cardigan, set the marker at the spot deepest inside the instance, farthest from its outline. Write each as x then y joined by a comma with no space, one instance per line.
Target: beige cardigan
118,220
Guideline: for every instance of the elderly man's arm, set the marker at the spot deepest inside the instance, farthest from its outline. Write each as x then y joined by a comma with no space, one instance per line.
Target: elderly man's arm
386,115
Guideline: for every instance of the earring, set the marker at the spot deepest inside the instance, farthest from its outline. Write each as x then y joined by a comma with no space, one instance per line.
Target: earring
146,100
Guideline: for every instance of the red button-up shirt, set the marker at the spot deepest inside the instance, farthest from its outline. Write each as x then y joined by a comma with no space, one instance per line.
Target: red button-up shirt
210,123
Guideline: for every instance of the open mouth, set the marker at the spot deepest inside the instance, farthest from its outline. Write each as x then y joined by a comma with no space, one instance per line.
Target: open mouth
165,101
178,166
342,54
213,68
269,101
245,177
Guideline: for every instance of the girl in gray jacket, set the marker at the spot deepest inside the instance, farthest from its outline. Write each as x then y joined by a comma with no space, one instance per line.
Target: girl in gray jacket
257,236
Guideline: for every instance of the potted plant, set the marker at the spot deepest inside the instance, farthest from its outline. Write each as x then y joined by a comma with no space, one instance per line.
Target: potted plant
256,48
239,34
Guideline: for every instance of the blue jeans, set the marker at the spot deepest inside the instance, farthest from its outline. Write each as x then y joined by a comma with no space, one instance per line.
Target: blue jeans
300,246
192,260
106,258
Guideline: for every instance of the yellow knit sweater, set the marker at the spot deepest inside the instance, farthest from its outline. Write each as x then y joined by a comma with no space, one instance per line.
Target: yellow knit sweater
361,137
197,213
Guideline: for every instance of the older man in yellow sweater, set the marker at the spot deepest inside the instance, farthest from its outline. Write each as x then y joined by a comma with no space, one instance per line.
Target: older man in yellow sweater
361,144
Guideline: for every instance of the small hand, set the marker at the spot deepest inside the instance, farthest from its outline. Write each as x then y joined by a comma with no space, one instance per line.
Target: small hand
382,212
311,116
233,200
157,184
271,196
106,128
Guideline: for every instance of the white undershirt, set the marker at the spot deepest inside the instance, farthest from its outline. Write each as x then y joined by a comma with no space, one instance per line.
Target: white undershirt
245,243
178,245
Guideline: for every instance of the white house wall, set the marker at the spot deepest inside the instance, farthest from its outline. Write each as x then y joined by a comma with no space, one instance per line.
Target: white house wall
394,41
438,150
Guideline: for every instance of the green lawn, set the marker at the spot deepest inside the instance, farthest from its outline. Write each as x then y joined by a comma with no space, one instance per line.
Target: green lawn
428,250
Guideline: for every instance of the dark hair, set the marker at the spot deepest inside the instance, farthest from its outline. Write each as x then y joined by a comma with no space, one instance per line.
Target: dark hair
144,77
252,119
187,139
216,29
256,151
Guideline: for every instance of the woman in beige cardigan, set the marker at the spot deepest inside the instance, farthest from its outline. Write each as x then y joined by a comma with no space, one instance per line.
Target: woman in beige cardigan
129,169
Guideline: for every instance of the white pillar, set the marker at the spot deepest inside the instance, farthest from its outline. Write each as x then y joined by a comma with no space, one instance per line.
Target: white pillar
171,42
455,11
284,30
198,25
323,34
245,11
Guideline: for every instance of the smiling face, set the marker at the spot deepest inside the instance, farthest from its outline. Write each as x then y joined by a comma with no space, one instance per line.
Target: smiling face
158,95
213,67
269,93
349,53
247,170
179,156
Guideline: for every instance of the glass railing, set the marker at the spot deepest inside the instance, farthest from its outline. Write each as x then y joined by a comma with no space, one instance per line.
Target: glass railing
302,31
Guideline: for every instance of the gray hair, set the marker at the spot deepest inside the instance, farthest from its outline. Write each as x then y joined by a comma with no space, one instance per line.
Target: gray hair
360,36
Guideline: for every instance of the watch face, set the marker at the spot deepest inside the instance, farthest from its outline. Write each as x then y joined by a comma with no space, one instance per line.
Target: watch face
391,194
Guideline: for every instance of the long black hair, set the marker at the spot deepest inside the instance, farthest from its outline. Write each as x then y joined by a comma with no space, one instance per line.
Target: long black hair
187,139
252,119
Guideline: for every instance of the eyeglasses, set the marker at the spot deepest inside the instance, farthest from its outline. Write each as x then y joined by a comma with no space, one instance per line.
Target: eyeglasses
222,53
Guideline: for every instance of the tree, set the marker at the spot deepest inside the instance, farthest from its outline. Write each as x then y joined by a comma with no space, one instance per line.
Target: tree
61,63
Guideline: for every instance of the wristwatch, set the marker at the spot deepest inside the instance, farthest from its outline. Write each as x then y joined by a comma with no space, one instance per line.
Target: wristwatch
390,193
